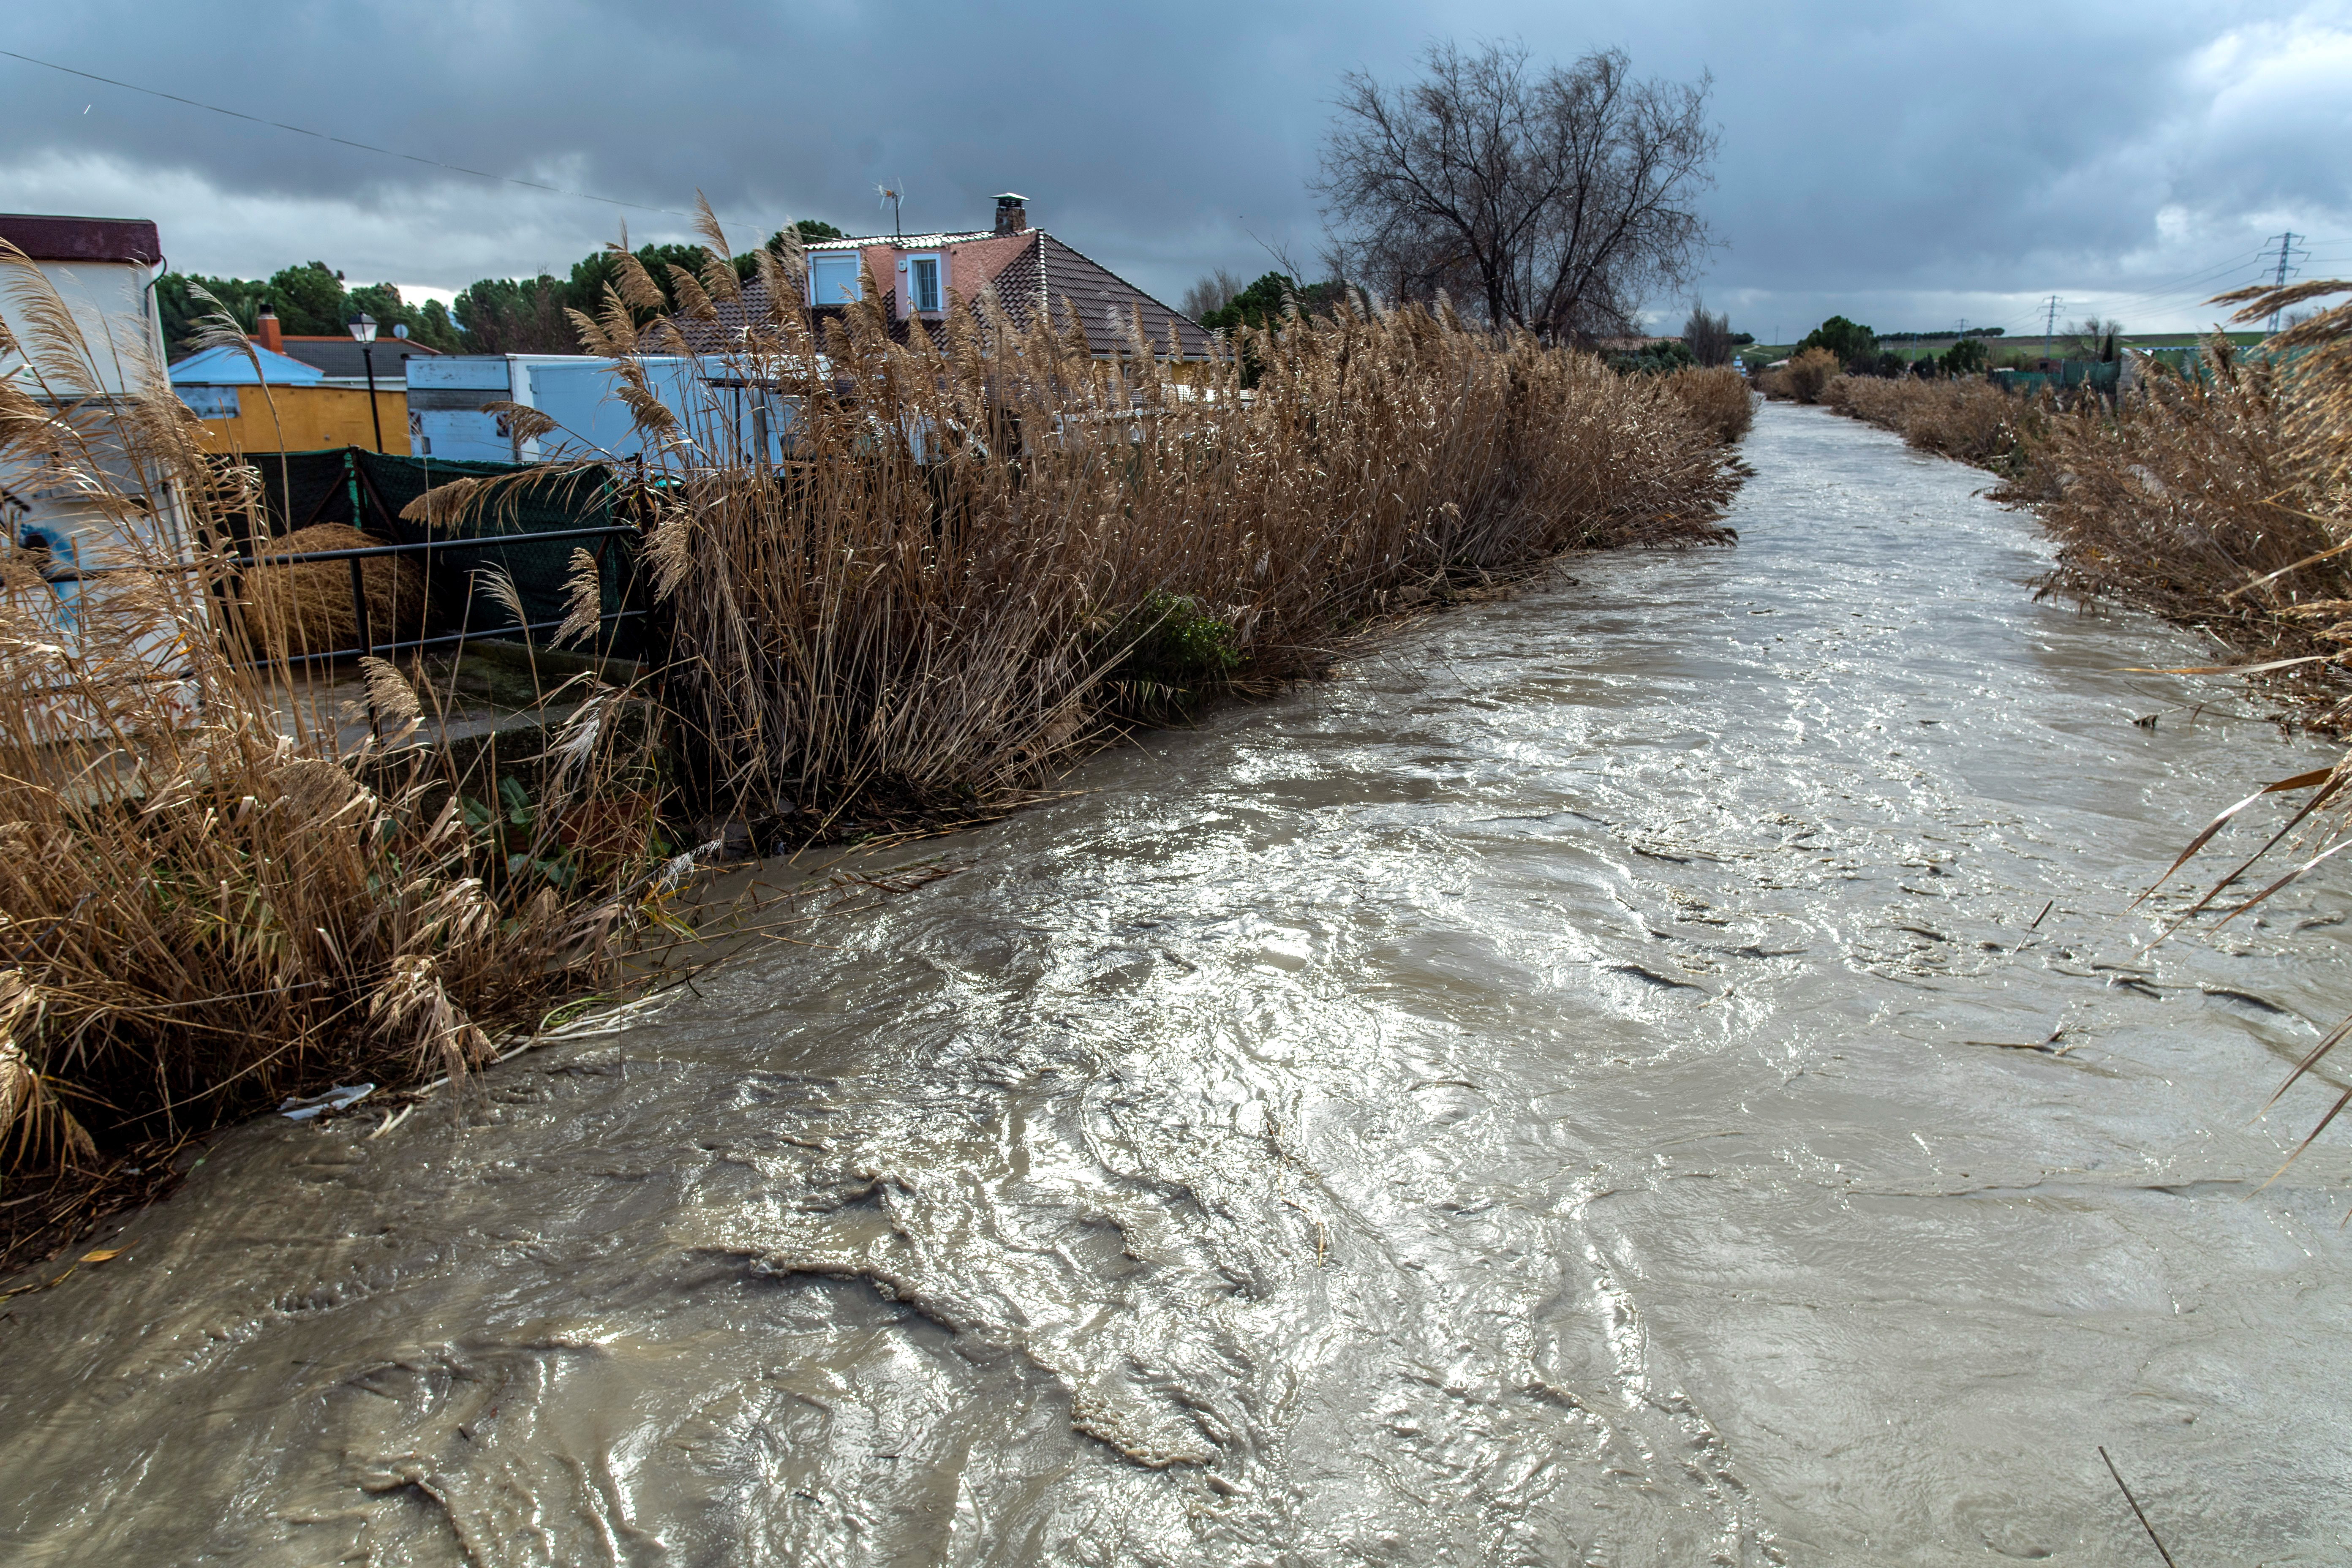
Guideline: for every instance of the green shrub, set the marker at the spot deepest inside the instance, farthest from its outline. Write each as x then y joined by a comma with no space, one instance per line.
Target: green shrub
1168,650
1855,345
1966,357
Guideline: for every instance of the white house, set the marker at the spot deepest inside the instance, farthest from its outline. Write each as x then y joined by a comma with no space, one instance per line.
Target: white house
103,269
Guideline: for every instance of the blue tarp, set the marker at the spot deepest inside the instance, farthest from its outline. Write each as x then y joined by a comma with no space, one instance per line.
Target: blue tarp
229,367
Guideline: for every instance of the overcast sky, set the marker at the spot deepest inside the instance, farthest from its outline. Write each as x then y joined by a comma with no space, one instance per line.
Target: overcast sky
1907,165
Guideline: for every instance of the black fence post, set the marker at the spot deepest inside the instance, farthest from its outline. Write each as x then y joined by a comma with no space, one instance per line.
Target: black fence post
367,642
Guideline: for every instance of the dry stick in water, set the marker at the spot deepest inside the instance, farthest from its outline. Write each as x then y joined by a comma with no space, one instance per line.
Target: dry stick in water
2136,1508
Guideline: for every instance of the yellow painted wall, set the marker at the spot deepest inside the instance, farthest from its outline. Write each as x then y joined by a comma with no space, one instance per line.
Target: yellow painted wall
308,419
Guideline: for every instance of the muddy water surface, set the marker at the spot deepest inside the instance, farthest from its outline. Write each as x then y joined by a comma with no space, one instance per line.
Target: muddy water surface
1519,1104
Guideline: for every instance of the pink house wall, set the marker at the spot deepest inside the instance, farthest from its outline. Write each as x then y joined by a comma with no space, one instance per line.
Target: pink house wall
971,263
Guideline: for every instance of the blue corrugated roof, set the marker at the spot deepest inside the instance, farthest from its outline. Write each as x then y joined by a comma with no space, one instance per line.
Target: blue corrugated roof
229,367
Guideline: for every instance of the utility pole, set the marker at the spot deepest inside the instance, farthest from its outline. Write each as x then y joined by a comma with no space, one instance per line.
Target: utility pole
2287,251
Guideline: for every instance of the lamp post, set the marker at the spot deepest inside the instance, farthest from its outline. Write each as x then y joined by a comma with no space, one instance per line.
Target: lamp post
362,327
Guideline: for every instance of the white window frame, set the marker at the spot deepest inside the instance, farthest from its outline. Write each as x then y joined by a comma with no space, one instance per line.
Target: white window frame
907,289
856,289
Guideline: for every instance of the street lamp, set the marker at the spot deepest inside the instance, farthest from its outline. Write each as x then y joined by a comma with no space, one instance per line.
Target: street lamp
362,327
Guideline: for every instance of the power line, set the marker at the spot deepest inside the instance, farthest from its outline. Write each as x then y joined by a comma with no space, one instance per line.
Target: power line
2287,251
346,142
2196,285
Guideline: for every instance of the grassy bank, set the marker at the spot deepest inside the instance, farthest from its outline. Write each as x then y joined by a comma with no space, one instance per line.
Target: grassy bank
988,552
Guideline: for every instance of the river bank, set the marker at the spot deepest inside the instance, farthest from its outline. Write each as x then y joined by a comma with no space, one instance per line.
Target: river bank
982,555
1578,1086
2212,498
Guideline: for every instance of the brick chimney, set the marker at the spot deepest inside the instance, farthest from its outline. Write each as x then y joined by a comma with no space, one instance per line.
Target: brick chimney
1011,213
265,331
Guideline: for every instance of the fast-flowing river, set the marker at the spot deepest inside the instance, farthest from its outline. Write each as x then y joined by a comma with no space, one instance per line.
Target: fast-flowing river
1549,1096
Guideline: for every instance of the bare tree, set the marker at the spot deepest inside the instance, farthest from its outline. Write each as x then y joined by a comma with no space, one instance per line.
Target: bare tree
1213,291
2093,338
1552,199
1708,337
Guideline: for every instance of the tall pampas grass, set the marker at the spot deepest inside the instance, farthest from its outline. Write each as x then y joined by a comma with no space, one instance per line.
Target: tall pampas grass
988,549
210,894
984,551
1965,418
1803,378
1717,398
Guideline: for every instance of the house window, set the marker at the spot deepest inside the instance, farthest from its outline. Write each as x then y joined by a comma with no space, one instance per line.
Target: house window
926,282
210,402
833,278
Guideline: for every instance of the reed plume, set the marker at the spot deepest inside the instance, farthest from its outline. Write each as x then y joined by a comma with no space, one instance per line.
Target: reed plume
212,891
986,546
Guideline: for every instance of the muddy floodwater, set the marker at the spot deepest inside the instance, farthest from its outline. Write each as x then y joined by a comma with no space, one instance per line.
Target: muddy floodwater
1548,1096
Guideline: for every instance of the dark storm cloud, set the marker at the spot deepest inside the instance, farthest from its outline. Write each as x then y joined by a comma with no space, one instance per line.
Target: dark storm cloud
1906,164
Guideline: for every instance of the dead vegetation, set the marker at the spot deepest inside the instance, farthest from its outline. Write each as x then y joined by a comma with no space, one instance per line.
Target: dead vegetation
308,605
986,552
2200,499
1718,398
1803,377
992,550
1963,417
207,899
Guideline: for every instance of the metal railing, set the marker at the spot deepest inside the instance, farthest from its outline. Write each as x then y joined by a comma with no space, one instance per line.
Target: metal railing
368,646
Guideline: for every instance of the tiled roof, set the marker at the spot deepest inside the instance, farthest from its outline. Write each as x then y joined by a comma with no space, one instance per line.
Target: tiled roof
340,356
1042,276
1051,275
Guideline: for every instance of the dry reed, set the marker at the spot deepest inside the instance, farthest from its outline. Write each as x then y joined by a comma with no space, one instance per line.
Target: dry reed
1803,377
988,548
1719,398
1963,417
2194,498
986,551
207,899
311,601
